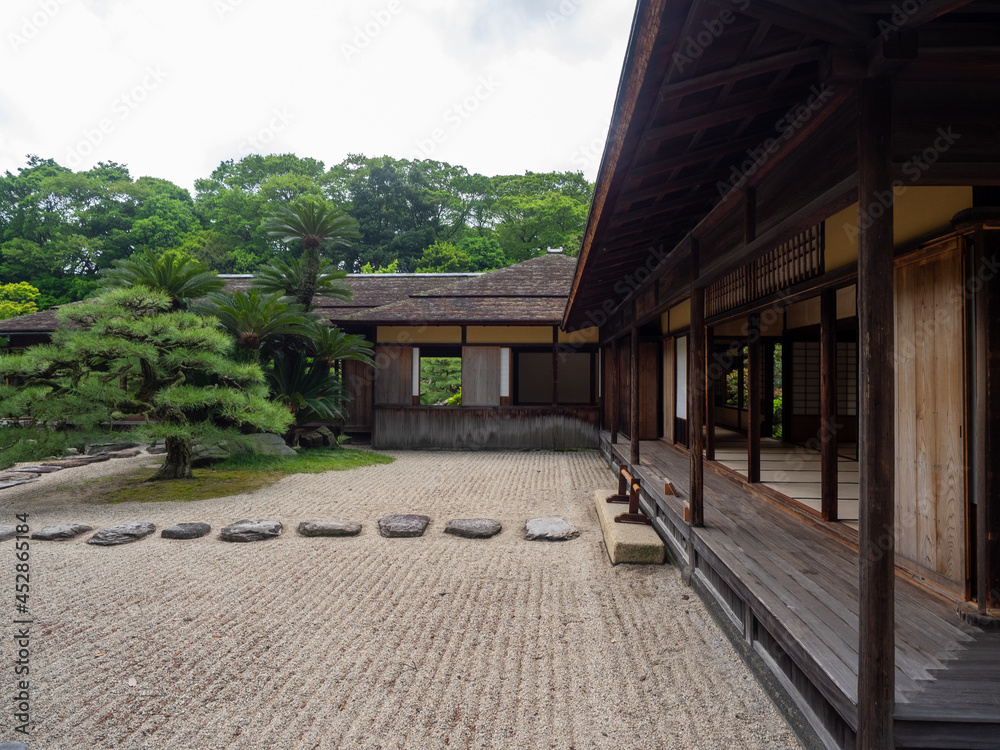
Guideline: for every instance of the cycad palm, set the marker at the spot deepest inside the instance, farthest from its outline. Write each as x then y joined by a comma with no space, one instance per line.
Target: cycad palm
289,278
259,322
178,275
313,222
330,344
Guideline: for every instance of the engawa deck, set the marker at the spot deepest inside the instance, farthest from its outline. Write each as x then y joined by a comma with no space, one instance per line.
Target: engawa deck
791,588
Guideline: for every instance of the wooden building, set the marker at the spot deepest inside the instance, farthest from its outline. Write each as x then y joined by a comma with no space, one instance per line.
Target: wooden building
792,257
525,382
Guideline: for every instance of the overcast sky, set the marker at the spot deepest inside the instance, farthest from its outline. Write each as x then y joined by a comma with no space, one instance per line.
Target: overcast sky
173,87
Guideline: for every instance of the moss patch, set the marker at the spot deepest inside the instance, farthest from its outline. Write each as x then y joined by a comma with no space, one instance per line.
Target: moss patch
240,474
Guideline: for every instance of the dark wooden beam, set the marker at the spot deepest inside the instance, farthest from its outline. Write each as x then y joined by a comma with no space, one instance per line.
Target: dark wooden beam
614,391
663,207
820,19
634,397
928,10
710,385
829,491
739,72
696,406
709,153
876,433
713,119
754,394
979,445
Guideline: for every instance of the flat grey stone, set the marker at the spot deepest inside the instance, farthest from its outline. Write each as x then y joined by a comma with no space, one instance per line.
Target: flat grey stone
125,453
36,470
250,531
59,532
550,529
329,528
186,531
403,525
98,448
14,483
123,533
473,528
13,746
7,532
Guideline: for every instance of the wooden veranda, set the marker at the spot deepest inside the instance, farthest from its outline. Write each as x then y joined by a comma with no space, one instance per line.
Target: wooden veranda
791,588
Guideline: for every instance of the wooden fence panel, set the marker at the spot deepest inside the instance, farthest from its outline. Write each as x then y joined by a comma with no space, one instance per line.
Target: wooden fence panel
481,376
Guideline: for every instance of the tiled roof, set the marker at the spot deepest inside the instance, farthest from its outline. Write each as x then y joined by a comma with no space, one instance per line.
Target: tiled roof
39,322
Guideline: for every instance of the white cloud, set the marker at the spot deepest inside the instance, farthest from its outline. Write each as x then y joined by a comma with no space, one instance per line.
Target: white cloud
172,89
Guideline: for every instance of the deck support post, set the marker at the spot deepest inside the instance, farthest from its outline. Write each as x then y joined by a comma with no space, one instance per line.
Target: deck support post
828,405
634,397
696,406
876,435
613,390
754,391
710,395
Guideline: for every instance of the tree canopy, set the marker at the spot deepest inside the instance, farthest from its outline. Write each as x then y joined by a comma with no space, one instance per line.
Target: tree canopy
59,229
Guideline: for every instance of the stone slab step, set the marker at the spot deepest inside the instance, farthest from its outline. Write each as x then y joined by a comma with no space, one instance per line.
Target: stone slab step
627,542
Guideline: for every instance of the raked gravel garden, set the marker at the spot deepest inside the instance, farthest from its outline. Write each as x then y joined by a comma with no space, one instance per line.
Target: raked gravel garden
310,635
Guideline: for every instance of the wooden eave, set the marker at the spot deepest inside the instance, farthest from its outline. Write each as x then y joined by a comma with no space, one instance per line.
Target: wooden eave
689,121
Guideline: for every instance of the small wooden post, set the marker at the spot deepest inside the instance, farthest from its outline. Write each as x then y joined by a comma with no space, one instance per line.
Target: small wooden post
634,397
829,490
611,391
876,434
710,395
754,395
696,406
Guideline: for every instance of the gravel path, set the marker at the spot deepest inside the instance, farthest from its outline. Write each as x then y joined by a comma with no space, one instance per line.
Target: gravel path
366,642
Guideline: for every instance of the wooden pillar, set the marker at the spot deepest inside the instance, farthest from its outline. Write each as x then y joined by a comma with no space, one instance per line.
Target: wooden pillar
710,395
767,429
980,422
696,406
634,397
829,490
754,395
611,391
876,434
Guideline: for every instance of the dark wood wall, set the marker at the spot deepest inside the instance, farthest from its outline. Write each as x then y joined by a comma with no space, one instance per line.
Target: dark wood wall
469,428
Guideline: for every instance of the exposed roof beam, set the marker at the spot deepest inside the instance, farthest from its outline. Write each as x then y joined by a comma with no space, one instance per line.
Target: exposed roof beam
928,11
695,157
666,206
738,72
718,117
822,19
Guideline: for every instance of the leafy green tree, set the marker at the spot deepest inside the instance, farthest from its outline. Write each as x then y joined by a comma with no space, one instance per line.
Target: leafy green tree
391,268
290,279
313,223
484,251
308,390
180,276
443,257
18,299
329,345
130,353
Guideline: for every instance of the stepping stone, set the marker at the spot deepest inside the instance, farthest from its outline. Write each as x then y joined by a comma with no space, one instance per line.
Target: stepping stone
61,531
13,746
14,483
35,470
186,531
69,463
122,534
403,525
329,528
124,454
99,448
550,530
473,528
250,531
7,532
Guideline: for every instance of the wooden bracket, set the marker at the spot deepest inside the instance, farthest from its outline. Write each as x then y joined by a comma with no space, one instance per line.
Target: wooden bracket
630,485
636,518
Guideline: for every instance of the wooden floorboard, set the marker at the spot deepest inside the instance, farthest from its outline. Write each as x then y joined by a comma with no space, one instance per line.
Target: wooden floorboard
803,581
